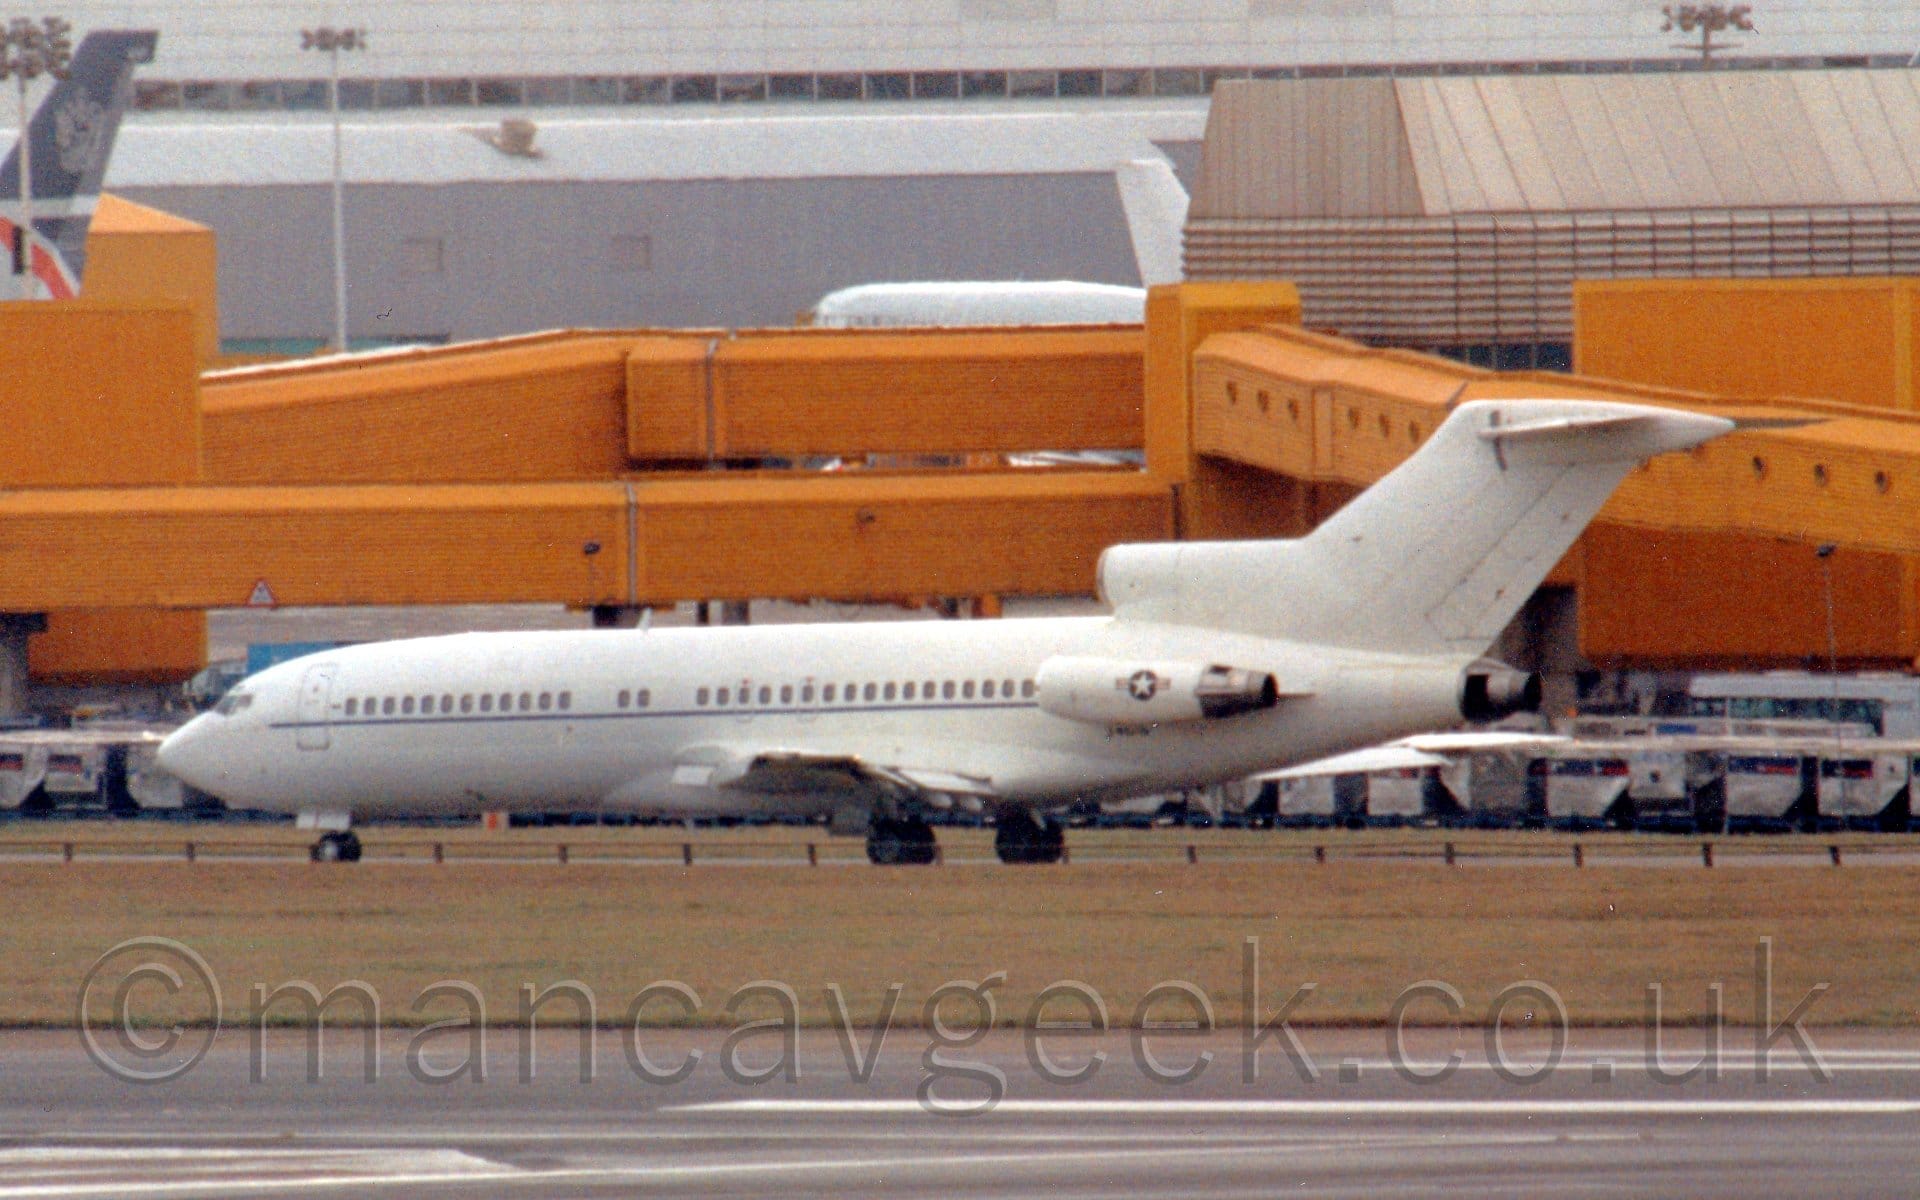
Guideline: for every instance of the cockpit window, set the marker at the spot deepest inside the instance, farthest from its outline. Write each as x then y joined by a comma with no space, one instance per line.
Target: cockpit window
233,702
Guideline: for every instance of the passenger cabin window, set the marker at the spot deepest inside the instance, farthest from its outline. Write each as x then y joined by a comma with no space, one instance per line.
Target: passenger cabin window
1027,688
806,694
646,697
352,705
625,696
906,692
526,701
786,693
466,703
546,701
565,701
946,690
406,704
726,696
446,704
486,702
700,697
766,694
891,691
826,694
966,689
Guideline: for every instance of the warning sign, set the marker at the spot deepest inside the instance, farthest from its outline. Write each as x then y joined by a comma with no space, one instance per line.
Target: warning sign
262,596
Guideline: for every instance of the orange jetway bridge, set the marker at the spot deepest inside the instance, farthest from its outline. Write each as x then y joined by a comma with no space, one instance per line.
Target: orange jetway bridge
626,469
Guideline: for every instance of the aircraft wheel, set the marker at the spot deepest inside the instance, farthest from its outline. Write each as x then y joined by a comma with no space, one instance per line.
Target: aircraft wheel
1053,842
336,847
918,845
885,847
1018,838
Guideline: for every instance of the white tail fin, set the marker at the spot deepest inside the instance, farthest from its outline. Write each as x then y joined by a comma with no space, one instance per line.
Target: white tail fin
1436,557
1156,207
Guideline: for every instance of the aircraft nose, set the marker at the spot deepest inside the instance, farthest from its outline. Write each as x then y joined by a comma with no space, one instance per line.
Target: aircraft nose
190,755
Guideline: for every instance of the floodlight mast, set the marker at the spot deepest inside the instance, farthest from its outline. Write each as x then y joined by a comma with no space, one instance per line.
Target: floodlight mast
331,42
28,50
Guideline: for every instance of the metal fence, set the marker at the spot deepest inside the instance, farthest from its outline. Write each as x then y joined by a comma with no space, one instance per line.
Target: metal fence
710,853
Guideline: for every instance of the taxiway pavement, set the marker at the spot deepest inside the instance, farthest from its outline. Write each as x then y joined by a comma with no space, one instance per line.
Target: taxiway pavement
1519,1118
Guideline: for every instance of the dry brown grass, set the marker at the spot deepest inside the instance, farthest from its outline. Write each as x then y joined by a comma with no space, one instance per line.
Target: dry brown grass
1359,931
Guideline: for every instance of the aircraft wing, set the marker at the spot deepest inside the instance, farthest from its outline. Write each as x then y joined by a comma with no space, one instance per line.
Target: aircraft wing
1412,753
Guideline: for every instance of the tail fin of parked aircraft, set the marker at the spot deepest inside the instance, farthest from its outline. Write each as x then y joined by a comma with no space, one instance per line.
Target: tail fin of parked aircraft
1156,207
71,136
1436,557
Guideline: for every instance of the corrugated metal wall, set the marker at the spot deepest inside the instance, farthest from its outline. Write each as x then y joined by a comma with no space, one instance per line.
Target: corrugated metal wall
1451,211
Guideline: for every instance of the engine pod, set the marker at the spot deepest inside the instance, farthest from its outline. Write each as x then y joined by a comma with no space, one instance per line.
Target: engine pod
1117,691
1491,690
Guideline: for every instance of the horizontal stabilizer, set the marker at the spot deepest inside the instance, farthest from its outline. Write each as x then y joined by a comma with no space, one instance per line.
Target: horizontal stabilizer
1535,430
1359,762
1470,741
1411,753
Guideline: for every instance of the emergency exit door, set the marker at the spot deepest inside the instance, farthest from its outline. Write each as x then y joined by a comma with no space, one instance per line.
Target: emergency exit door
316,692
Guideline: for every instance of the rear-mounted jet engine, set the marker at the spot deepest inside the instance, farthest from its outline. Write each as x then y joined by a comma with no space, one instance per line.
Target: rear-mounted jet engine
1109,691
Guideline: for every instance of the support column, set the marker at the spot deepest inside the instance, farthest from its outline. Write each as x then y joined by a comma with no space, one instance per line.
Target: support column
727,612
15,629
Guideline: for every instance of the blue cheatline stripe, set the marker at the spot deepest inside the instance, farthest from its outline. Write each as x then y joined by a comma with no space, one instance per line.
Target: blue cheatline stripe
640,714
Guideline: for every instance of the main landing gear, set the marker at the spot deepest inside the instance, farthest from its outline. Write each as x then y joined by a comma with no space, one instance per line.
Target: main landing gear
893,841
341,846
1018,837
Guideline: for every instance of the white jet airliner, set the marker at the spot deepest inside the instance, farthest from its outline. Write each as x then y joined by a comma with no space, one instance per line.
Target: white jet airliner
1156,210
1220,660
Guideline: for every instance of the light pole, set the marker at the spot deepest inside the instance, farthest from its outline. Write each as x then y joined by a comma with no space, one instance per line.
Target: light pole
331,42
1708,19
28,50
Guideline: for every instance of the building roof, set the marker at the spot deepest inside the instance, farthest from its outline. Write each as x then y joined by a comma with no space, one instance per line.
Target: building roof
713,143
1561,144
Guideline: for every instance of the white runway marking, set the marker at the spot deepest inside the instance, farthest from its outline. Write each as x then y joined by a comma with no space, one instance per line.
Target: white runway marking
1332,1108
1682,1052
234,1184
